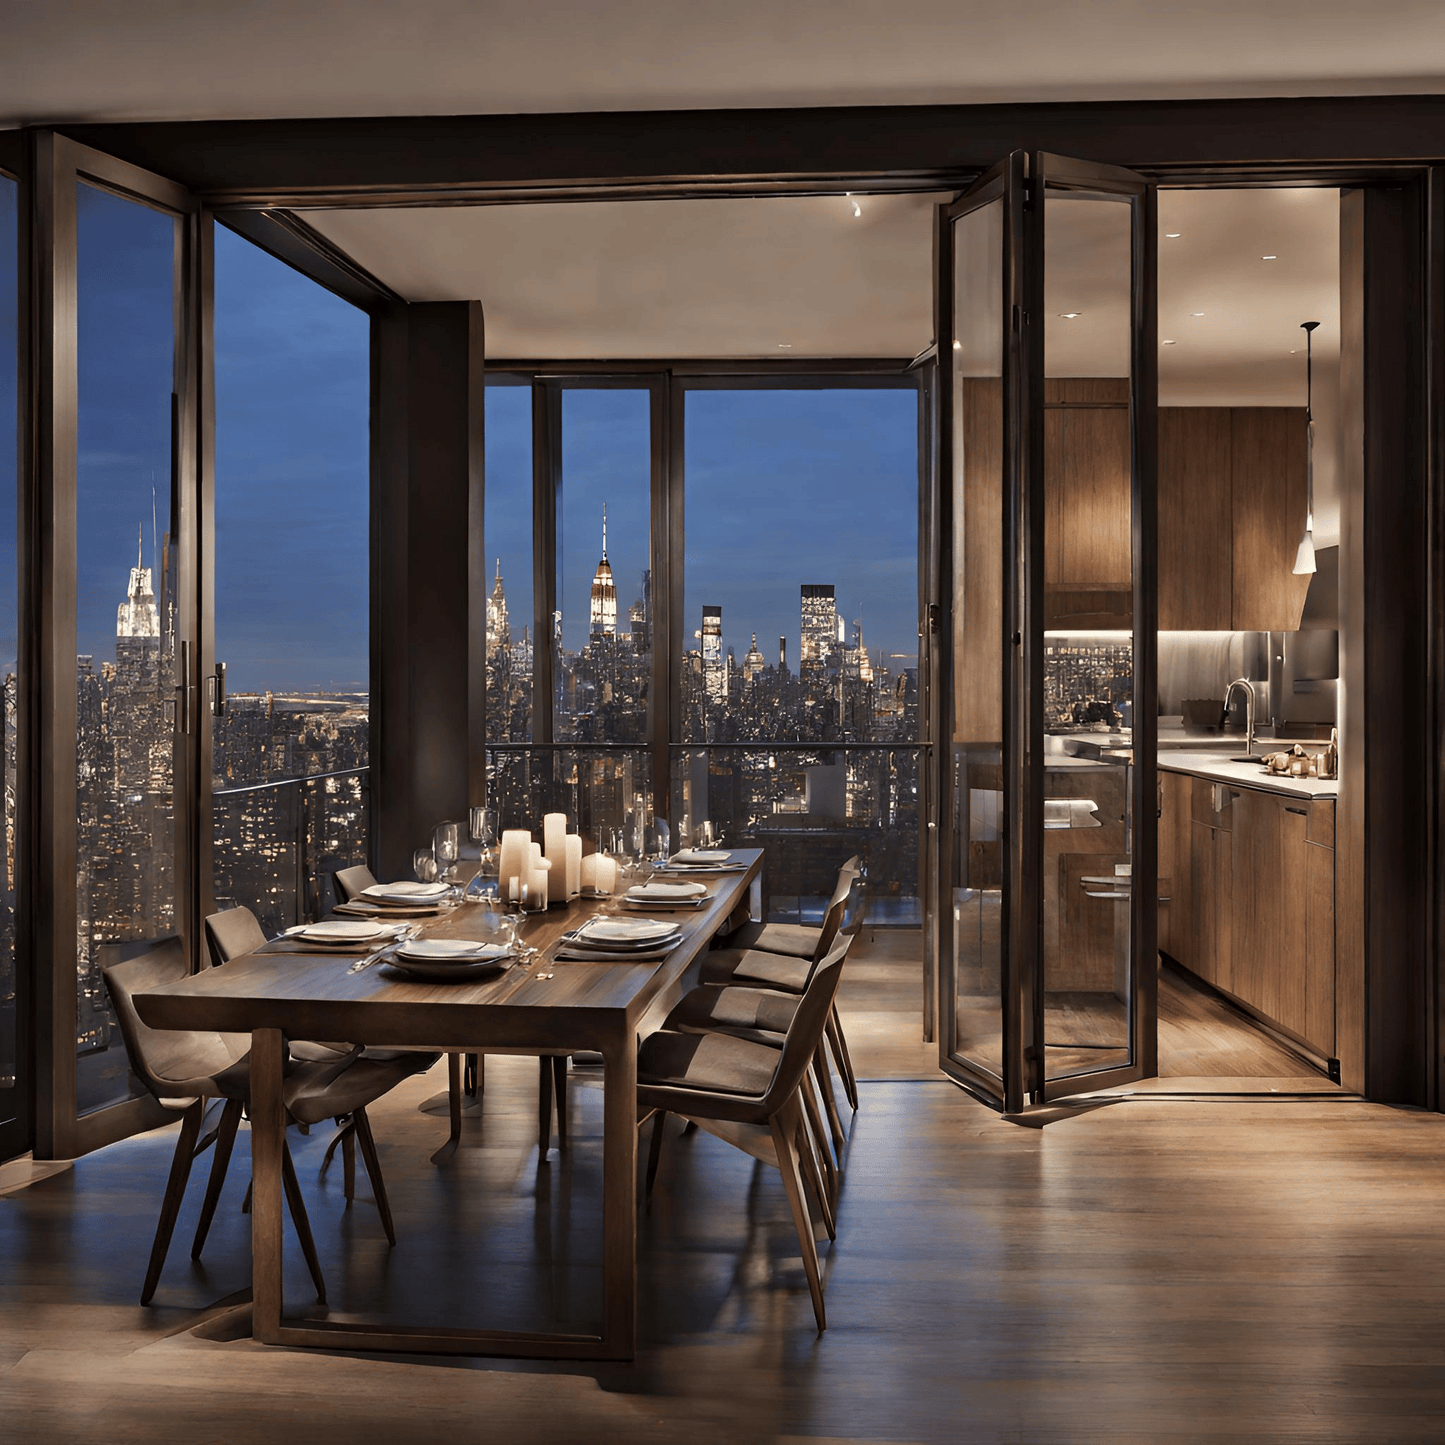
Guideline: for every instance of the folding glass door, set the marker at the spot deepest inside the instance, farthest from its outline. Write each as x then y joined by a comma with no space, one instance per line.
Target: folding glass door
1046,433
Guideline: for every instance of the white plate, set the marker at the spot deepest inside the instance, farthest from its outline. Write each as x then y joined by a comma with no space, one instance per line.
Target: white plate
341,930
451,950
406,892
701,855
625,930
665,891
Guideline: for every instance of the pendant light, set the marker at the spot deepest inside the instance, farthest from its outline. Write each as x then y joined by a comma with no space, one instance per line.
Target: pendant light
1304,557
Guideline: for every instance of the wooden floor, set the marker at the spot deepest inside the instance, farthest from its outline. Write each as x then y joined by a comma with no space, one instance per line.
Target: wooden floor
1160,1269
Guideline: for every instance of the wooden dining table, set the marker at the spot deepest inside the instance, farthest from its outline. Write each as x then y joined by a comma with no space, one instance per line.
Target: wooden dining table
577,1006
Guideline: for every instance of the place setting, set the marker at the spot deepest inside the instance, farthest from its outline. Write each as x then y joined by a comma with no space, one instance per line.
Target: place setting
404,899
607,939
337,935
656,893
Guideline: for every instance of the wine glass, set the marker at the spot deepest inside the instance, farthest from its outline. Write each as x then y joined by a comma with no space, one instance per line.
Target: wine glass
659,847
424,865
484,885
446,842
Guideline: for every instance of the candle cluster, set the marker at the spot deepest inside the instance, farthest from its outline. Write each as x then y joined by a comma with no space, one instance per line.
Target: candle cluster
535,874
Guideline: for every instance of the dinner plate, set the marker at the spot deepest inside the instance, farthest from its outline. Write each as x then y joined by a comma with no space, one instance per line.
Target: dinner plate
406,893
625,930
439,972
341,931
653,901
701,855
451,950
665,892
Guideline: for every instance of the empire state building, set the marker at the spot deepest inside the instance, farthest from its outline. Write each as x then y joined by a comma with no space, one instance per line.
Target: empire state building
604,594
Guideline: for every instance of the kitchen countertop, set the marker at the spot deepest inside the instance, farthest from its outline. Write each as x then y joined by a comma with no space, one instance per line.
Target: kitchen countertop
1246,775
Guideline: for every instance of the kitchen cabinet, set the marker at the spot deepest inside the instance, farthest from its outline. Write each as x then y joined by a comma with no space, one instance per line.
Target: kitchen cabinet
1232,498
1257,889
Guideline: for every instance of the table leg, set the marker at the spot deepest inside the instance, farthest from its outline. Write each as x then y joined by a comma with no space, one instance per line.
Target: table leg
619,1197
268,1137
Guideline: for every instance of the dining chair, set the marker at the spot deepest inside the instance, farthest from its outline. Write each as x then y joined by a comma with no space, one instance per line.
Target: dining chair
750,1095
237,931
470,1078
186,1069
787,965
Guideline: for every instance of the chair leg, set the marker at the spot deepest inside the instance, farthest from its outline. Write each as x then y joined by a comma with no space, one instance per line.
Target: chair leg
834,1031
298,1218
348,1162
654,1151
175,1192
830,1103
544,1107
559,1096
784,1128
225,1141
821,1143
454,1110
367,1143
338,1140
812,1176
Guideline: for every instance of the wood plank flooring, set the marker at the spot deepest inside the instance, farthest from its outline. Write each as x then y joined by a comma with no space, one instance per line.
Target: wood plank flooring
1163,1269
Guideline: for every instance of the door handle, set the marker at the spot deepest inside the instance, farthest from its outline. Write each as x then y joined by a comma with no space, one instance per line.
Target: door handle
186,688
216,685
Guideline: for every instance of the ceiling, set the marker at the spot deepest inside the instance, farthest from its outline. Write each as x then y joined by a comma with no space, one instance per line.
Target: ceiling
126,60
802,277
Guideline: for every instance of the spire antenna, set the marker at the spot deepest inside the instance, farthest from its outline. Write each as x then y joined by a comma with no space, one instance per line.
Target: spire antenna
139,544
604,531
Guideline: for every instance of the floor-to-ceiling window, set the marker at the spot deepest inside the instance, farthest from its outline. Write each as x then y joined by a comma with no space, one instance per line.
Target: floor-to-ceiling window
290,752
125,605
799,692
14,1051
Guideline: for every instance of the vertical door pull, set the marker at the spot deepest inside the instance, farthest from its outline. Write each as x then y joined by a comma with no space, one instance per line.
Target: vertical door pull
216,683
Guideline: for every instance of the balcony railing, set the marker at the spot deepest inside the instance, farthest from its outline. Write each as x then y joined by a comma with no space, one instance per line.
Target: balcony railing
807,806
276,845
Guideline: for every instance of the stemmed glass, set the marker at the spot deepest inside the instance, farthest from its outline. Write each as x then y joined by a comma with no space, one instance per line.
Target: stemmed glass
446,849
424,865
484,886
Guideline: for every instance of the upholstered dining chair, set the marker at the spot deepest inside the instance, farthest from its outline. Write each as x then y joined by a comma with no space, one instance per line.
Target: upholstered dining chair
749,1095
782,957
186,1069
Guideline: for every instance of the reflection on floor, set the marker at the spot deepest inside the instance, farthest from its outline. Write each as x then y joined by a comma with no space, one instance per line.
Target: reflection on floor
1155,1271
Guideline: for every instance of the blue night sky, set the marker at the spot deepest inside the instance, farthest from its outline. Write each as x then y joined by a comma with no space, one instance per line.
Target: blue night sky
783,487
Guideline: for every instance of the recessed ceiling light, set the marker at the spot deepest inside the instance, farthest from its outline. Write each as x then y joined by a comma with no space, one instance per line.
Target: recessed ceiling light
1269,258
1172,235
1070,315
785,345
958,346
1171,343
1196,313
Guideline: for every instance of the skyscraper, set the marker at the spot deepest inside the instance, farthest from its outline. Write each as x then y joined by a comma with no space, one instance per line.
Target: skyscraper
819,641
603,621
713,674
499,630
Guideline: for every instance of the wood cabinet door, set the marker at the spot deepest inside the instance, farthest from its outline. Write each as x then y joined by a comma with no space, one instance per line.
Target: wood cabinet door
1175,868
1196,548
1211,887
1319,1026
1292,909
1267,497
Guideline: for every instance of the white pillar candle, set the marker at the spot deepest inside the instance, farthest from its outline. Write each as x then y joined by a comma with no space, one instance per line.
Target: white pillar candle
554,841
587,871
515,865
538,881
574,865
606,873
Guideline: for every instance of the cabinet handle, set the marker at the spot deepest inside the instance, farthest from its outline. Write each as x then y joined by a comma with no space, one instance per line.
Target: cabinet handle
1303,812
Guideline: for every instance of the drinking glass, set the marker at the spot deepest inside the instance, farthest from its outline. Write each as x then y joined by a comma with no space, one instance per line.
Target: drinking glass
446,842
484,826
659,843
424,865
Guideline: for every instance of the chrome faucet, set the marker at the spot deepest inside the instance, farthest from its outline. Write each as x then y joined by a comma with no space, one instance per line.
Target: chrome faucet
1248,687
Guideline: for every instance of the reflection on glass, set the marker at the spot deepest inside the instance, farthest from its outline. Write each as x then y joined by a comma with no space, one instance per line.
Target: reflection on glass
509,551
292,579
9,646
125,611
1088,653
597,788
603,626
978,600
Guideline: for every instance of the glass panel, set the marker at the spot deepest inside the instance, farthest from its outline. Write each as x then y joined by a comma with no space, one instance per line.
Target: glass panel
292,577
509,544
1088,653
125,610
599,788
801,627
12,1103
604,602
978,594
